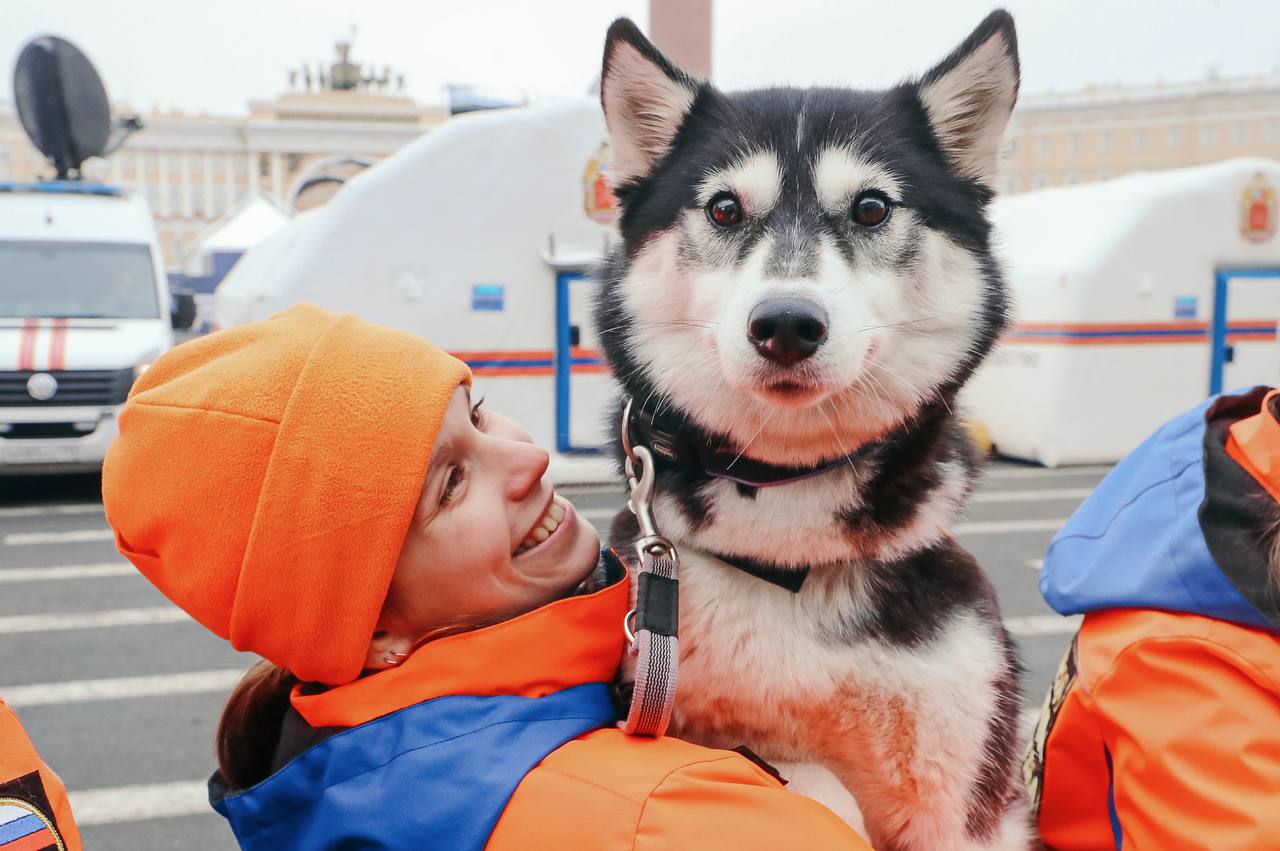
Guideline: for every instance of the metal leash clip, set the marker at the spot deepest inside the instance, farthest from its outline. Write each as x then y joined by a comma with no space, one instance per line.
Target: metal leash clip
651,626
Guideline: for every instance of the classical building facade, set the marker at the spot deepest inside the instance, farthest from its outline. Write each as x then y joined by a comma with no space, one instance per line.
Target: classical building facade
193,168
1108,131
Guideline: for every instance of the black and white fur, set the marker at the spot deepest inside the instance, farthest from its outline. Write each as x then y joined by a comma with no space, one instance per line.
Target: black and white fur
890,668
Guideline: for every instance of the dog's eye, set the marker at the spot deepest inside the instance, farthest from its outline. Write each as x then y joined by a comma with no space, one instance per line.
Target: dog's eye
870,209
724,210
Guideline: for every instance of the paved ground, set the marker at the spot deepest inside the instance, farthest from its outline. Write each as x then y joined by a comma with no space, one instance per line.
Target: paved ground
121,692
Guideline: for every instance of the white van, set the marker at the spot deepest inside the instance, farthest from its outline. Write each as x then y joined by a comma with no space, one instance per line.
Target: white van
84,309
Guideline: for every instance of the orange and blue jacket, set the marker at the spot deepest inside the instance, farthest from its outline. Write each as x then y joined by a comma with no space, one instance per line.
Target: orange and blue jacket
34,813
1162,728
504,738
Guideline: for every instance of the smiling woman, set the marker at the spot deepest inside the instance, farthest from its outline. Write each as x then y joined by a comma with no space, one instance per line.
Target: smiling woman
440,629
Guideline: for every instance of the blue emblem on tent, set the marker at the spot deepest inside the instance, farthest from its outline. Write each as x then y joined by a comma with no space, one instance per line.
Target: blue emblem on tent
488,297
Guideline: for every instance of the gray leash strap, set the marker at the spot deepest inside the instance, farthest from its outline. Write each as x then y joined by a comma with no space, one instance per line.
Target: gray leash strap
651,627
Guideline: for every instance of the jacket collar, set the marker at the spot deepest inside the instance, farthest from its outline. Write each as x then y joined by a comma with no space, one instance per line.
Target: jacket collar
569,642
1254,444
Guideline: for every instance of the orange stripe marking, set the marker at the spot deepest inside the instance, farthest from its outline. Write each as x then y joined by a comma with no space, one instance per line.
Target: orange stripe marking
27,344
58,345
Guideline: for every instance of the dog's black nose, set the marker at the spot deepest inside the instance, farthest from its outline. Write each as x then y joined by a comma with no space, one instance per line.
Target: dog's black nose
787,330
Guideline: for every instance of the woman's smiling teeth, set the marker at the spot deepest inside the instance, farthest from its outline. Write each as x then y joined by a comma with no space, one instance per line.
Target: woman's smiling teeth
544,527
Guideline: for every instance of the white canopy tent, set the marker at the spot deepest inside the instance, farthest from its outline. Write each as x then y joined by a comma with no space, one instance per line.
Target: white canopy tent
1136,298
477,237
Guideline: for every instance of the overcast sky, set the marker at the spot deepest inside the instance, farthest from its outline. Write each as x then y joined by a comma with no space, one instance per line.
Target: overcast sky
215,56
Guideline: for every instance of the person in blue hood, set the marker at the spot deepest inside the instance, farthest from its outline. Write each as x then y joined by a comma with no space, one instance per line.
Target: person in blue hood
1162,728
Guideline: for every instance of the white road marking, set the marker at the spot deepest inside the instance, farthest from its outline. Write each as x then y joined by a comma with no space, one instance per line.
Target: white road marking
140,803
121,688
1043,624
1032,496
54,510
76,536
1004,527
71,571
12,624
1045,472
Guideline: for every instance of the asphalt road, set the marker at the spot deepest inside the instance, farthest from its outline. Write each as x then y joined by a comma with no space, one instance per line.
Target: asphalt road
121,692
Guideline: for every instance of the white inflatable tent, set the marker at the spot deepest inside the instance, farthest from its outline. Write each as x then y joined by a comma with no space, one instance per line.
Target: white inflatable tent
1135,299
478,236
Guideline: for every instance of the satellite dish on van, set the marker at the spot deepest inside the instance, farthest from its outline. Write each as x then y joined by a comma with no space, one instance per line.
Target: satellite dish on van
63,105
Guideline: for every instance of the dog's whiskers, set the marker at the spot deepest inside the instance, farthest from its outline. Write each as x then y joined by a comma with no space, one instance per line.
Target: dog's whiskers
752,440
836,435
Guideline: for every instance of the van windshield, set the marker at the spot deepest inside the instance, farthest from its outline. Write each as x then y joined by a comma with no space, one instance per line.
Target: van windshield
77,280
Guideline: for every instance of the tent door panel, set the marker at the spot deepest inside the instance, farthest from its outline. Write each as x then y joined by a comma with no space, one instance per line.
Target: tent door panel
1246,348
584,389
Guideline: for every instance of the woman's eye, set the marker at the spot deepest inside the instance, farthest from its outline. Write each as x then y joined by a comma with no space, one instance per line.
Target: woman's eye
724,210
477,413
451,485
870,209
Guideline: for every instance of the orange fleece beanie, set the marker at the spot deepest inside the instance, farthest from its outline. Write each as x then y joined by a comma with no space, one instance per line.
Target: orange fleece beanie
265,477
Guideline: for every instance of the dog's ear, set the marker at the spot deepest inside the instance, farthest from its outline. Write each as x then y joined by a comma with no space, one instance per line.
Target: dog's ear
645,99
969,97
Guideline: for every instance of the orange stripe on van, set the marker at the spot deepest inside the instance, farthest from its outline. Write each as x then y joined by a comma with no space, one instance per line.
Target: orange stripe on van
27,344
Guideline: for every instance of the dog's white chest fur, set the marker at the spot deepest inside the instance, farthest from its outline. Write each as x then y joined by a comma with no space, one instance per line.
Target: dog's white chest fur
903,729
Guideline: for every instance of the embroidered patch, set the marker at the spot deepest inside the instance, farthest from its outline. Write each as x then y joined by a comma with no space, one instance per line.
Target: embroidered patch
1033,763
26,817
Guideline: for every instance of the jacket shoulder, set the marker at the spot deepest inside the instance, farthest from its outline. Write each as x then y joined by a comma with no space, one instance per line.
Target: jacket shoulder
1106,636
607,790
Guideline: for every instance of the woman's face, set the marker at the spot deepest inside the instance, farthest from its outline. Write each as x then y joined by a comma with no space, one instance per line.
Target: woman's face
489,540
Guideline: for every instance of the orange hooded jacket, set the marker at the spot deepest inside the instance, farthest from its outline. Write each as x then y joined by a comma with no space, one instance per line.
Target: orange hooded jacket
34,813
1162,729
362,762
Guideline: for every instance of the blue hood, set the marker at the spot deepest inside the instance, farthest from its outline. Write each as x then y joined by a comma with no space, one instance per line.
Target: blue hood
1138,541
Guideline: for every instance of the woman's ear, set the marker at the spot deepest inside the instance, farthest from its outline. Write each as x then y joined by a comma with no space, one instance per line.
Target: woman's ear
387,649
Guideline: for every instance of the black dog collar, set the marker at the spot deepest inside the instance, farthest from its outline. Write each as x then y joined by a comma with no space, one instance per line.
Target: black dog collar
671,446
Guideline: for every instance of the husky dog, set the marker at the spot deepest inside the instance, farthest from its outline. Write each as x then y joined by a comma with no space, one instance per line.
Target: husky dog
804,282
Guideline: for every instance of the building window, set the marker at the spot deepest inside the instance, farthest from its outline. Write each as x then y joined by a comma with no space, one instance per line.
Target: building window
242,166
1105,142
1175,137
219,200
197,163
1139,139
1010,183
4,161
1040,181
219,163
153,199
149,161
1073,177
198,208
1239,133
1073,143
1273,132
175,201
1208,135
1043,146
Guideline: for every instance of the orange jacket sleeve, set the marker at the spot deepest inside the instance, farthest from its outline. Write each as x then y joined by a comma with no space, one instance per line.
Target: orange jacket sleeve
715,805
1193,732
33,802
